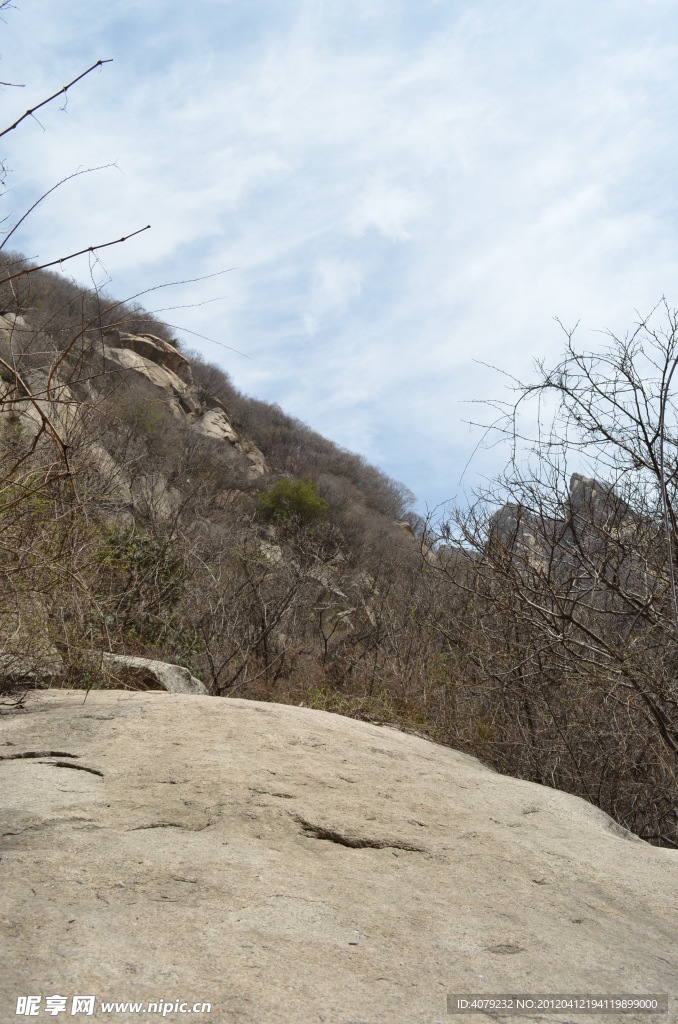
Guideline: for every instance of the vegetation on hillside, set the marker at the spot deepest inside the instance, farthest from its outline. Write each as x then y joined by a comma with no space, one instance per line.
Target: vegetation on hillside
292,502
60,309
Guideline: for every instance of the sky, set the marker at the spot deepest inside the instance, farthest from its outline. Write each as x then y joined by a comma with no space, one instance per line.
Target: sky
405,194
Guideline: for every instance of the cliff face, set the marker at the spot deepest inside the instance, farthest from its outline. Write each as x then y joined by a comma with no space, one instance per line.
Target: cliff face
574,536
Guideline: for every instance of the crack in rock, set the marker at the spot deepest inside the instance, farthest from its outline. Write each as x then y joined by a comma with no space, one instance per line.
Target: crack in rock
40,826
506,948
77,767
272,792
38,753
354,842
172,824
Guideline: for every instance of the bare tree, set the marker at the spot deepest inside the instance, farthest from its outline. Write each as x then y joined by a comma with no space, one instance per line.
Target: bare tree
570,626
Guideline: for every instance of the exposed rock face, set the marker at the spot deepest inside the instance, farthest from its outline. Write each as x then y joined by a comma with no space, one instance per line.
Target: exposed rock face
146,673
15,339
288,865
148,368
258,466
159,364
214,423
162,377
592,512
155,349
588,493
58,404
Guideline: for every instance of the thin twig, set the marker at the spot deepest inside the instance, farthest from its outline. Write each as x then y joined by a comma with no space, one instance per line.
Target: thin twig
76,174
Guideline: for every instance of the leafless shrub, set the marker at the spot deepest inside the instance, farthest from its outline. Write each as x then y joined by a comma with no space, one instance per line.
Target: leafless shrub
569,622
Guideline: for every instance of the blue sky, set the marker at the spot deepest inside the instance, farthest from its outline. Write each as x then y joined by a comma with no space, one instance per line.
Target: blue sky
408,191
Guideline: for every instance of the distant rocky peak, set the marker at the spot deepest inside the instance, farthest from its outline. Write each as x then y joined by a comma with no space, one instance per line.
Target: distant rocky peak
586,491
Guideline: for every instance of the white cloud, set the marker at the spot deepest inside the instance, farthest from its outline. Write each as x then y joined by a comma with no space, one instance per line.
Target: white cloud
389,209
336,283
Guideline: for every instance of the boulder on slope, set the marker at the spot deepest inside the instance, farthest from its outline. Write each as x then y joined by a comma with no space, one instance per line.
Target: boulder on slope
148,674
153,348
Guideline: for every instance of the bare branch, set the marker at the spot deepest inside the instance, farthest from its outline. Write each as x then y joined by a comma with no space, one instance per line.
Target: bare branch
60,92
64,259
69,177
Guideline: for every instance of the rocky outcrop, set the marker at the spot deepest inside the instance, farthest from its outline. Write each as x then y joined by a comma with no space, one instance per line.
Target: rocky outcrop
16,338
215,423
587,519
159,364
288,865
148,368
154,349
587,493
145,367
148,674
173,388
255,457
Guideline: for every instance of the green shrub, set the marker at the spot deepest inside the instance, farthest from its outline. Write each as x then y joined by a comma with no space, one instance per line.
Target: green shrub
290,501
141,581
143,415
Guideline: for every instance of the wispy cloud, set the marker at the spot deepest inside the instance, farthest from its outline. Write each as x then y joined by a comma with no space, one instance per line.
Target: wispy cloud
404,189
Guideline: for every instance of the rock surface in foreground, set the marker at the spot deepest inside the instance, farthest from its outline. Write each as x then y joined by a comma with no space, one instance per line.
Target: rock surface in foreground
293,866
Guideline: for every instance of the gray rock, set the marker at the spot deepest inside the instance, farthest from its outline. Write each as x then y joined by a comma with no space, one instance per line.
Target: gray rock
135,367
215,423
155,349
15,338
146,360
288,865
255,457
145,673
589,494
189,403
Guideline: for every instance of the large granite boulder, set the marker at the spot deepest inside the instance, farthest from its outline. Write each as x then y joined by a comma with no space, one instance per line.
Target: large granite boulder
290,866
153,348
149,674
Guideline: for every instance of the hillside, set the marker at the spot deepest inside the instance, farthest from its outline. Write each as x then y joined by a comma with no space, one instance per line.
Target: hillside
168,464
149,509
